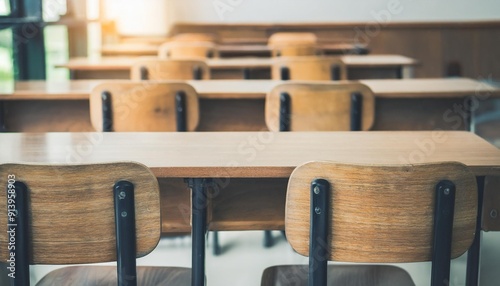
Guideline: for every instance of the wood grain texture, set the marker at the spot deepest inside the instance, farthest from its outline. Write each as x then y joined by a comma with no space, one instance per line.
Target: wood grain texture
381,213
319,107
169,69
359,275
144,106
71,210
106,276
308,68
250,154
187,50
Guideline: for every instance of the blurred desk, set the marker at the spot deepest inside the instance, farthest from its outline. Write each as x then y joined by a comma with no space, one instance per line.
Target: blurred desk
358,67
238,105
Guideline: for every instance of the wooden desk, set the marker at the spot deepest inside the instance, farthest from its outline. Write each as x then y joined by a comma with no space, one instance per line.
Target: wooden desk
358,67
238,105
232,158
227,50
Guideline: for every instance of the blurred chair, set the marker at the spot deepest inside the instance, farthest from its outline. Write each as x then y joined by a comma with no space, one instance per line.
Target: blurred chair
187,50
293,44
125,106
346,106
376,214
308,68
154,69
79,214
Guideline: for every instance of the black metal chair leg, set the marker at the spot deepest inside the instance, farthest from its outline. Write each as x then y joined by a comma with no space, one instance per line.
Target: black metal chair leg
268,238
216,246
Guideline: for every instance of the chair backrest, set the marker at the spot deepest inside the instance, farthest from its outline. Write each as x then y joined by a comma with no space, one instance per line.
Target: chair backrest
154,69
292,38
379,214
187,50
293,44
71,213
308,68
341,106
126,106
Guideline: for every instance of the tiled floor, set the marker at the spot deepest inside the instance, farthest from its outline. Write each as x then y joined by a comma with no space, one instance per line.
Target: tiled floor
244,259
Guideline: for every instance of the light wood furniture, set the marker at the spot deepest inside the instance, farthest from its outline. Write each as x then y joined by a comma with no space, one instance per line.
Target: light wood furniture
410,213
308,68
230,157
323,107
147,106
187,50
195,37
228,50
293,44
78,214
416,104
358,67
154,69
249,155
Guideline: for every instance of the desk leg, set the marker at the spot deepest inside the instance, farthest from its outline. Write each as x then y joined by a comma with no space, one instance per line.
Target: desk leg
246,73
473,259
199,228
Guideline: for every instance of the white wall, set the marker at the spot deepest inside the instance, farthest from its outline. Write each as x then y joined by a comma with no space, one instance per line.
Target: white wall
282,11
310,11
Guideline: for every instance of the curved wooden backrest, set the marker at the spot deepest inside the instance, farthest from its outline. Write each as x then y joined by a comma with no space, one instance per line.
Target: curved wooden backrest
170,69
381,213
195,37
71,210
144,106
308,68
320,106
187,50
284,38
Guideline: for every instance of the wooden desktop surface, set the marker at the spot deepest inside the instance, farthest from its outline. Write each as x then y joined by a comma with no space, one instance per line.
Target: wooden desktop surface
250,154
255,89
124,63
251,169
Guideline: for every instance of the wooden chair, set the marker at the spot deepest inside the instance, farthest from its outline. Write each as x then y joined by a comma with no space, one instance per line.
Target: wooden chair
347,106
154,69
308,68
187,50
126,106
376,214
293,44
79,214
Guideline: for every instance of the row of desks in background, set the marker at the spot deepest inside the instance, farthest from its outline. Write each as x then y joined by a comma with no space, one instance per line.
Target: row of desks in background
238,105
358,67
228,50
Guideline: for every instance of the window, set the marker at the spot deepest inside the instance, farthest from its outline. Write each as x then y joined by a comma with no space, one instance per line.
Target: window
56,51
4,7
6,68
